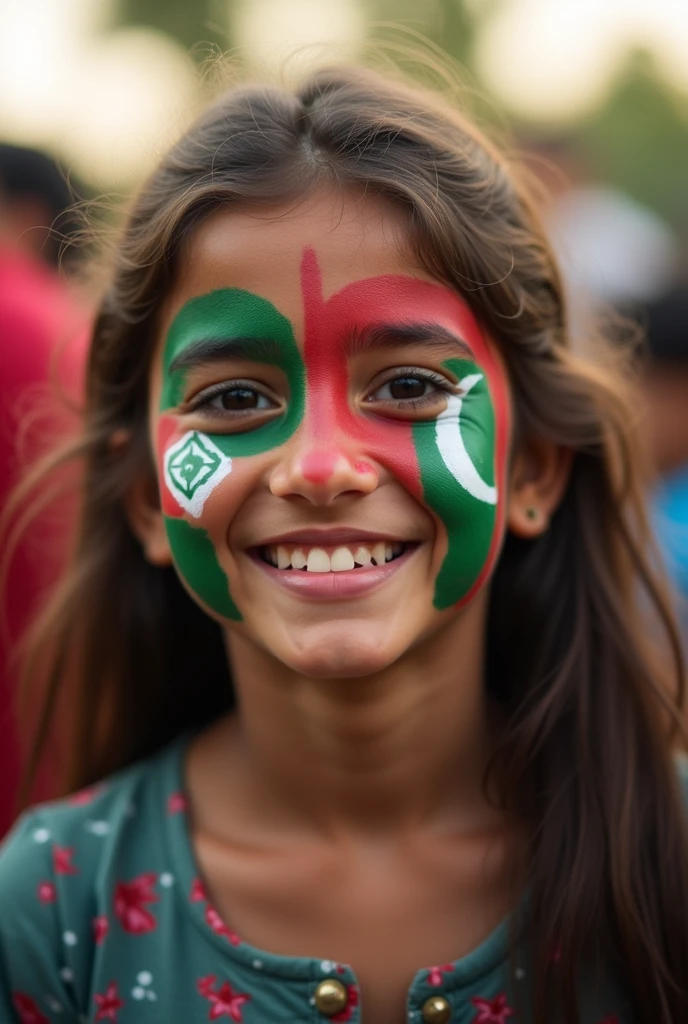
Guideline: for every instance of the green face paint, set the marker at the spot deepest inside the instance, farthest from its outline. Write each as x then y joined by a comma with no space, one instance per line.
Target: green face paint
455,463
193,464
456,459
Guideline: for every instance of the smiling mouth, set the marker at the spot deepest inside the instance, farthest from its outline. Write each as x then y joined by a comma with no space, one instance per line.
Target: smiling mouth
341,558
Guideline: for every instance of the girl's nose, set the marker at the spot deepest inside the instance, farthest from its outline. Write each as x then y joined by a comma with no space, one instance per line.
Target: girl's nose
322,474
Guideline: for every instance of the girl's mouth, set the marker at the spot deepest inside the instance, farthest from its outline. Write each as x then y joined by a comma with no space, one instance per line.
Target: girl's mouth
333,573
340,558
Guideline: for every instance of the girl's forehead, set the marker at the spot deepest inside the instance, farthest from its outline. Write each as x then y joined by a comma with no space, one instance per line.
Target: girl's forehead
261,251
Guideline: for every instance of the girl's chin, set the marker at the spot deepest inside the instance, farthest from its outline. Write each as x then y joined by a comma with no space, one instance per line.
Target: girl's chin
331,653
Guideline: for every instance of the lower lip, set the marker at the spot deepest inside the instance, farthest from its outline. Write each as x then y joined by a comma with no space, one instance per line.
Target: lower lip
334,586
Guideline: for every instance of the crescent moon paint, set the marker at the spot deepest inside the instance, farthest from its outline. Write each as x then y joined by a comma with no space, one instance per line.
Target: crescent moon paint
453,450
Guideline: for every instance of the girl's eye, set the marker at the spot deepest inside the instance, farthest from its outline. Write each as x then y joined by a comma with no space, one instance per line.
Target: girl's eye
238,397
400,388
412,390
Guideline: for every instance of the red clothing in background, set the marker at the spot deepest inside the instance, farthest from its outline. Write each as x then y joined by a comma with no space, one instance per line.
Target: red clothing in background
42,350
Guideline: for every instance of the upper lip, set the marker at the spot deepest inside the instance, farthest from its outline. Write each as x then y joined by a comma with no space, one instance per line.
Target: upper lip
328,538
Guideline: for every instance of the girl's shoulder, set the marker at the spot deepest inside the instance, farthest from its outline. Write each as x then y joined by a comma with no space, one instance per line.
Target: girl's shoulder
60,868
62,836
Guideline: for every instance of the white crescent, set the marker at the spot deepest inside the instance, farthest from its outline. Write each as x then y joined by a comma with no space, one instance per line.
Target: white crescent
453,450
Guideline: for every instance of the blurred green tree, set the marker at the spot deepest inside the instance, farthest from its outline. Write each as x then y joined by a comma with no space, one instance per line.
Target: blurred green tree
450,24
190,22
638,139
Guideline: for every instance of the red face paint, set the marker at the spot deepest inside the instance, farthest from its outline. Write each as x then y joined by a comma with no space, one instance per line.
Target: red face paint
317,467
333,426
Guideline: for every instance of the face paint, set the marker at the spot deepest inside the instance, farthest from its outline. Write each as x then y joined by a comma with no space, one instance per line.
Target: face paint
455,463
194,464
457,460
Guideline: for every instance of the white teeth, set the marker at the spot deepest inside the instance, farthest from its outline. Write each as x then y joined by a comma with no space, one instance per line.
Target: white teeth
341,559
379,553
363,556
298,559
283,559
318,560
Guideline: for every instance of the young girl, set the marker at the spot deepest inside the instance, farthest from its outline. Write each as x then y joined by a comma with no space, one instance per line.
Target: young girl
360,612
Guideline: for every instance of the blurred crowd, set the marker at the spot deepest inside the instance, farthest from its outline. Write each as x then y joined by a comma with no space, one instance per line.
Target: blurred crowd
615,253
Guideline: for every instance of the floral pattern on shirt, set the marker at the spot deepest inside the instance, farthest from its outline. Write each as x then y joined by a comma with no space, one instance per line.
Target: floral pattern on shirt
46,892
492,1011
108,1003
198,893
103,898
62,860
224,1002
101,927
176,803
27,1011
214,921
435,974
351,1004
130,904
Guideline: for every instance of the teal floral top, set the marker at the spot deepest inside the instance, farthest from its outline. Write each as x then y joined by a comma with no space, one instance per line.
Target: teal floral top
104,917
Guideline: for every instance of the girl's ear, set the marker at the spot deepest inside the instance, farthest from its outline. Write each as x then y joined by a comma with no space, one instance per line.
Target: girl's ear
539,475
142,508
143,512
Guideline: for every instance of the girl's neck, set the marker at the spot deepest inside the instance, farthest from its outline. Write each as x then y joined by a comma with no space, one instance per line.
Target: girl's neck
404,749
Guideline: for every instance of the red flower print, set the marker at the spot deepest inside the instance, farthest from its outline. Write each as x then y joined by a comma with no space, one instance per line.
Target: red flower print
176,803
62,860
205,985
351,1002
101,926
555,955
492,1011
47,893
225,1002
108,1004
27,1011
85,796
198,893
435,974
130,900
611,1018
215,922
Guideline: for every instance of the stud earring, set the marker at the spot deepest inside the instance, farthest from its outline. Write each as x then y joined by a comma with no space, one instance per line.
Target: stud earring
532,513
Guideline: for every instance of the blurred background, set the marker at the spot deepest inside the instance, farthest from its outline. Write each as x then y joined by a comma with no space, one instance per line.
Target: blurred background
104,83
593,95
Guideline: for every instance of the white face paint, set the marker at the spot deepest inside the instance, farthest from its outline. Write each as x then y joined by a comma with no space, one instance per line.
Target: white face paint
453,450
193,468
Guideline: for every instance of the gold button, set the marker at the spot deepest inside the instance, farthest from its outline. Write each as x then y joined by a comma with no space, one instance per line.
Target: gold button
331,997
436,1010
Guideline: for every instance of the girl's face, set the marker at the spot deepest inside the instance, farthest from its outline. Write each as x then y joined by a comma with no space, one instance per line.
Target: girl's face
331,430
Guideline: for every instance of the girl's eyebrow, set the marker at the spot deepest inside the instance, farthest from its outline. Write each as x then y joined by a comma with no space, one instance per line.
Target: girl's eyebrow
393,335
210,350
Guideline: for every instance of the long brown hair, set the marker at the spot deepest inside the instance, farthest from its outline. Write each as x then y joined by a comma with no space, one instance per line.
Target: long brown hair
591,711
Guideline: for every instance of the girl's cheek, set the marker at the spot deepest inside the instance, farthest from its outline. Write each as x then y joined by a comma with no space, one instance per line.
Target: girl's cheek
462,461
194,473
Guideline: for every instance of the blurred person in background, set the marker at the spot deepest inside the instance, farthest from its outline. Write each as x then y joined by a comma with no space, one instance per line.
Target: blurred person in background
615,253
619,257
665,389
42,345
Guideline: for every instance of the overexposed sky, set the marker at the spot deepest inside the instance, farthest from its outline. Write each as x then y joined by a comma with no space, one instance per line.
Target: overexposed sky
108,101
556,58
